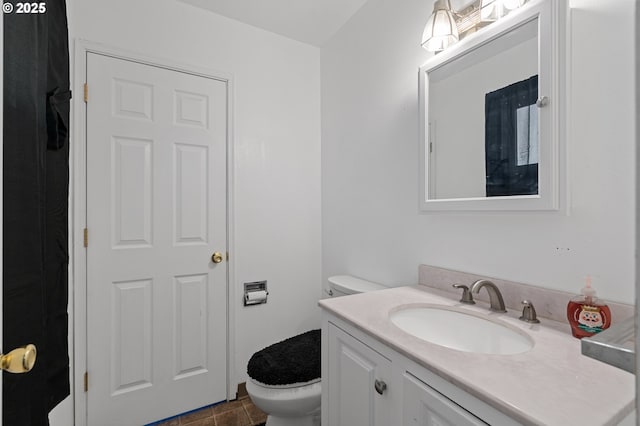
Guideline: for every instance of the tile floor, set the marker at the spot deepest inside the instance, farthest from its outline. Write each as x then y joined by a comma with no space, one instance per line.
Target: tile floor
240,412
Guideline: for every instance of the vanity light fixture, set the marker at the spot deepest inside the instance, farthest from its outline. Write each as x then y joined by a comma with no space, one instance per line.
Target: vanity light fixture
441,30
446,26
491,10
513,4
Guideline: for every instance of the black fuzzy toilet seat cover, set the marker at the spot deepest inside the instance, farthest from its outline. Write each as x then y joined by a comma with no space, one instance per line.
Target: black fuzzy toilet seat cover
294,360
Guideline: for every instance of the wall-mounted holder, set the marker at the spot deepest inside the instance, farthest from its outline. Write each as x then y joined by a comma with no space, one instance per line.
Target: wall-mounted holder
255,293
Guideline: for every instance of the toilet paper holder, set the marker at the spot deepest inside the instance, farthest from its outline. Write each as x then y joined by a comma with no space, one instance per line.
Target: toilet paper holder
255,293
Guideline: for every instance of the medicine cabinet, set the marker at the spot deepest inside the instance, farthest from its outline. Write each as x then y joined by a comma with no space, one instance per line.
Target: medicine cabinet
492,111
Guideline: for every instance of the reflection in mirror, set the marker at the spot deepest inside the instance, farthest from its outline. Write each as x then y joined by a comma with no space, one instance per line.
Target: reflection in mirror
511,139
483,121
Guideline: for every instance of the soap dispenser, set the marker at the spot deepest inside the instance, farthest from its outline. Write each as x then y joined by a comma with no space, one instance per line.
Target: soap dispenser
586,314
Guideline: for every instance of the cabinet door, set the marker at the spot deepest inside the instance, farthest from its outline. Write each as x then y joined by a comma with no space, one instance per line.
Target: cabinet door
424,406
357,376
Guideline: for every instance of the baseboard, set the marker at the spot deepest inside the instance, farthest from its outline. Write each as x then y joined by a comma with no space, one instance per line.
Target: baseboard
242,391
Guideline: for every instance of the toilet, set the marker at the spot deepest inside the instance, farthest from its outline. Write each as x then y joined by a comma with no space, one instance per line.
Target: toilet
284,378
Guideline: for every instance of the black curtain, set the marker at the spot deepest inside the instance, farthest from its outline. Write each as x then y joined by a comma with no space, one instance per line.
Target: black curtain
35,234
504,176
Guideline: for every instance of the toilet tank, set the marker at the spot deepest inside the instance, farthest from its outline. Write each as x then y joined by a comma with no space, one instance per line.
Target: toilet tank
342,285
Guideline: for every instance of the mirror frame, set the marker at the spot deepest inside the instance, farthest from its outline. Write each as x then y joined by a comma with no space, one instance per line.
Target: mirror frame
552,29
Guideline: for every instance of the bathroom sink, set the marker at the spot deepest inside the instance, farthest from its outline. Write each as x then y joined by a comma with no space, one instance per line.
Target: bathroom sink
460,330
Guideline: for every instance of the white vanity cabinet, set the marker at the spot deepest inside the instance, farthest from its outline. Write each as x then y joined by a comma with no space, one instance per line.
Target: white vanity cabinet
358,378
366,383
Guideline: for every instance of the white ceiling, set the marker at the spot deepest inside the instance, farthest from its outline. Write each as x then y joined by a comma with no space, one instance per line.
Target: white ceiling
308,21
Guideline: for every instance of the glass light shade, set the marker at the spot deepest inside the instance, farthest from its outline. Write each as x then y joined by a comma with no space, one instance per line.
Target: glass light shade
491,10
513,4
441,30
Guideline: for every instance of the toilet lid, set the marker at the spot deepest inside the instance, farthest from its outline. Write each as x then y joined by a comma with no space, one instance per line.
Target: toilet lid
352,285
294,360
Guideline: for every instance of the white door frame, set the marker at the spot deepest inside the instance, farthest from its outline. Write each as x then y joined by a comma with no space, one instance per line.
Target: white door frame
79,212
2,349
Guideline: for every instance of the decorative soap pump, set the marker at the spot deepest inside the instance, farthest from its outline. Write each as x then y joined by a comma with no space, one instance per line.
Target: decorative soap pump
586,314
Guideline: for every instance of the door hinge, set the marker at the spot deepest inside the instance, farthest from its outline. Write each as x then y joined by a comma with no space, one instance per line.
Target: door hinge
86,381
86,93
86,237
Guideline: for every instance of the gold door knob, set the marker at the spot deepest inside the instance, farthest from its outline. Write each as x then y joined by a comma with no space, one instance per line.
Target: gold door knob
20,360
216,257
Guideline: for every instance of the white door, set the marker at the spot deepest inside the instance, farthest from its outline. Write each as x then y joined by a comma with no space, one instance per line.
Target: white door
1,185
156,212
1,205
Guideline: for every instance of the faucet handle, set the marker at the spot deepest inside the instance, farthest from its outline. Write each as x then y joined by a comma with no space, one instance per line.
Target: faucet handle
529,313
467,297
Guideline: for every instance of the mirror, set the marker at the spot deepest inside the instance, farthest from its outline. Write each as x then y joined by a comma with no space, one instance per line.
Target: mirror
490,115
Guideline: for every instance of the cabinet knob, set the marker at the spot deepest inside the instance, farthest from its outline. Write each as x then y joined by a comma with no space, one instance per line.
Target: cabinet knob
380,386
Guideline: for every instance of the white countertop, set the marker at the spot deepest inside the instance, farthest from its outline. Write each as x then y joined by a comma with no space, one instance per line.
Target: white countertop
552,384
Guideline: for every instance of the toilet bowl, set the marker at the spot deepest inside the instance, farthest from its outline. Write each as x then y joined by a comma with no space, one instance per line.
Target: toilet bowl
288,405
284,378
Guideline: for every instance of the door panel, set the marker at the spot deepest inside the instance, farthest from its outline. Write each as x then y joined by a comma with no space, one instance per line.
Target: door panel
424,406
156,211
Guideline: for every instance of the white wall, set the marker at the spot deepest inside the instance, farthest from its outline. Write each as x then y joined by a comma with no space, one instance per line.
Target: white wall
276,142
370,162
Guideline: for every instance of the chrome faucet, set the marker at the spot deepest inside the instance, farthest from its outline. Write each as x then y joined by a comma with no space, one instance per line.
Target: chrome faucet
466,294
529,313
495,297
